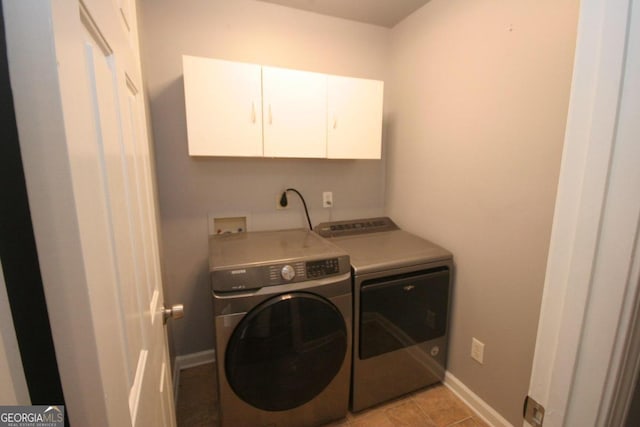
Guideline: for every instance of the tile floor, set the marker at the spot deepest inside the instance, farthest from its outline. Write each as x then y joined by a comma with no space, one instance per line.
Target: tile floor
434,406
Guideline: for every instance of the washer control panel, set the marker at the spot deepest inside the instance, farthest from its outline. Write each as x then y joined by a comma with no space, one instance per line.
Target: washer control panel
303,270
322,268
288,272
255,259
283,273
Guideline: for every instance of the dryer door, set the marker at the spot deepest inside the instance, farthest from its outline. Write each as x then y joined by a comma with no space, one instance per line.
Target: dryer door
401,311
286,351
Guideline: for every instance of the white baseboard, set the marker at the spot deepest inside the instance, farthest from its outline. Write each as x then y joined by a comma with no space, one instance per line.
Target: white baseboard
189,361
479,406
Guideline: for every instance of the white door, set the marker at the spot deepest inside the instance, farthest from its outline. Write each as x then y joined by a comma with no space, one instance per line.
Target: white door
223,103
295,113
75,76
588,346
354,128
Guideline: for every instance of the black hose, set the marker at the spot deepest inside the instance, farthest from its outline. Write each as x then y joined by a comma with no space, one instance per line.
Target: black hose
306,211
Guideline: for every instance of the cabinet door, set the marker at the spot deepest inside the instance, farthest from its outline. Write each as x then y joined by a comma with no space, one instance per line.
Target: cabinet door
295,113
354,127
223,106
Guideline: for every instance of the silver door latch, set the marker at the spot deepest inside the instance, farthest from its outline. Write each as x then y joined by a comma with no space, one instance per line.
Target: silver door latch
533,412
175,312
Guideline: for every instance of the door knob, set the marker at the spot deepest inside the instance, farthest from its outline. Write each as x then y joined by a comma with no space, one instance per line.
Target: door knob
175,312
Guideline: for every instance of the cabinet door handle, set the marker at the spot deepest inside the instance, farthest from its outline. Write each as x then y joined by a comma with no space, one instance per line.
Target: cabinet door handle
270,115
335,121
253,111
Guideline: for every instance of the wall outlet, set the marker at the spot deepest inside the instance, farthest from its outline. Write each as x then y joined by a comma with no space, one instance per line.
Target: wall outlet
477,350
327,199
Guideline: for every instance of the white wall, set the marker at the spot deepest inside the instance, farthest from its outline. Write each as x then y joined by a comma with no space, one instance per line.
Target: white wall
188,188
13,386
478,102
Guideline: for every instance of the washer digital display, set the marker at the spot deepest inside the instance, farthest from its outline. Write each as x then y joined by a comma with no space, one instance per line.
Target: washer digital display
325,267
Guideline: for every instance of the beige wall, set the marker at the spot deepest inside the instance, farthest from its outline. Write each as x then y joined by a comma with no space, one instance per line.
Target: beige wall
188,189
478,101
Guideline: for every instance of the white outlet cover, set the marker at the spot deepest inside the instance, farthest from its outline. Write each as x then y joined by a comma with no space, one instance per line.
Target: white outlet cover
477,350
327,199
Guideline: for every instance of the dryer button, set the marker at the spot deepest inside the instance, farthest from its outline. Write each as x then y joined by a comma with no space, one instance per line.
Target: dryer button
287,272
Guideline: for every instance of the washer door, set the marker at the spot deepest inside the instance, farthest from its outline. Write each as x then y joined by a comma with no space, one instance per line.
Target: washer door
286,351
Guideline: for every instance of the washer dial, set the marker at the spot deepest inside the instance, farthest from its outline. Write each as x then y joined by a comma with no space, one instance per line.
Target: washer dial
288,272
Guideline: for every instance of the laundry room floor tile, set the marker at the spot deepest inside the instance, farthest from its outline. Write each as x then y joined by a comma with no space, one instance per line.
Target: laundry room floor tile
197,397
408,414
434,406
441,405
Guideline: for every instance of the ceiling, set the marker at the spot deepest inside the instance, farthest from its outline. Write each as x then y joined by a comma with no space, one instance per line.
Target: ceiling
385,13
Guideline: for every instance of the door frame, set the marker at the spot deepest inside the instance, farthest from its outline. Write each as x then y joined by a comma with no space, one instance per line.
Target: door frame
28,368
75,278
586,343
34,78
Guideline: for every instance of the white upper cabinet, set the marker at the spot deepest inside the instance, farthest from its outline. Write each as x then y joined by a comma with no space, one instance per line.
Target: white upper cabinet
224,107
238,109
354,128
295,113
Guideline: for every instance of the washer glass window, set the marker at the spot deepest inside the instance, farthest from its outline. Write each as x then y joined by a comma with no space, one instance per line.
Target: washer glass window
286,351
